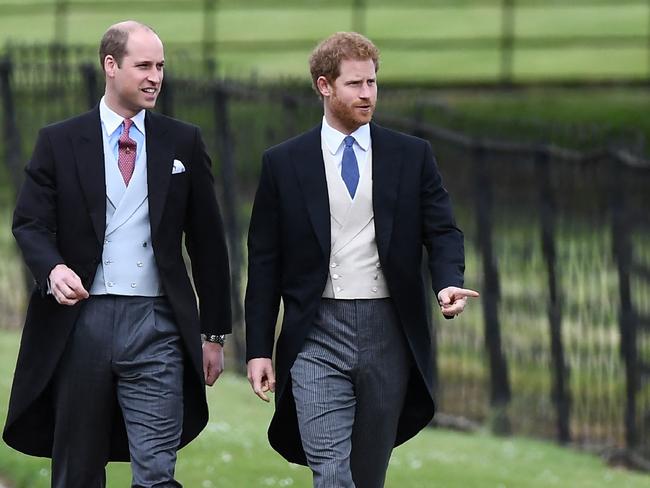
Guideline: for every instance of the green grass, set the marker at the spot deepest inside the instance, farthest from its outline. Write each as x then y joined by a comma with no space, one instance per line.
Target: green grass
233,452
182,22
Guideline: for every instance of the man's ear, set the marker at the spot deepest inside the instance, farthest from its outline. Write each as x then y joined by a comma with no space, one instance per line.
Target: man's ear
110,65
323,86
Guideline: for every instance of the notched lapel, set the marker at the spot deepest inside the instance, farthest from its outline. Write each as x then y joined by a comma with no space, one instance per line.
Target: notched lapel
387,160
89,156
307,159
160,159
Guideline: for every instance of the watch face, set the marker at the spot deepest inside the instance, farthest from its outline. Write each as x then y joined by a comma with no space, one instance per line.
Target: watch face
217,339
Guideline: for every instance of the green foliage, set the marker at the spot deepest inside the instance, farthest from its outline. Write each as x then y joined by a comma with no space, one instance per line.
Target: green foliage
596,109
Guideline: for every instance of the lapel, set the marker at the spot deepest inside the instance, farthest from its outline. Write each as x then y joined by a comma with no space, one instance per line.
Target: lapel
307,159
339,197
88,150
160,158
387,160
115,188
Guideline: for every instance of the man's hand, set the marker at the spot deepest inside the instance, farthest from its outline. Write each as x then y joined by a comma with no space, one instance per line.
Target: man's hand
261,376
212,362
452,300
66,286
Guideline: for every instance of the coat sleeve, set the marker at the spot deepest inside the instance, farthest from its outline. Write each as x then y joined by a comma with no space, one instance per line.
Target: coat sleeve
35,216
206,245
443,240
264,268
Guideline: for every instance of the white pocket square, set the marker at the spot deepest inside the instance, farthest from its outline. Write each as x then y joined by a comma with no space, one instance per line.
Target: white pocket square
178,167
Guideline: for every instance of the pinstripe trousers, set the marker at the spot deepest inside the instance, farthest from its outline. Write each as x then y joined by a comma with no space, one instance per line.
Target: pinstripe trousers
349,383
124,353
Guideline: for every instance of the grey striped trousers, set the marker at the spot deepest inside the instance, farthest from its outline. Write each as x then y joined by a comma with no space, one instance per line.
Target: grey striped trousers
349,383
124,353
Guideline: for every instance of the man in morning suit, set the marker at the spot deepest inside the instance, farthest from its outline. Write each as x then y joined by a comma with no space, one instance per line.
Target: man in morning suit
337,229
111,364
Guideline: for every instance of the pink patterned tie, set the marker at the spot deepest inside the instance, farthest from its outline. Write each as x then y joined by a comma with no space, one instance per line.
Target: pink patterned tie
126,152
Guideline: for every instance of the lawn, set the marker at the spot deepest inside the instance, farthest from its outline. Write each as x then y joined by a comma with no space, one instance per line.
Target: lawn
233,452
244,30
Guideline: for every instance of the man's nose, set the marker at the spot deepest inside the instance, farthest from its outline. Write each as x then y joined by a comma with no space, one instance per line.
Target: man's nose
155,76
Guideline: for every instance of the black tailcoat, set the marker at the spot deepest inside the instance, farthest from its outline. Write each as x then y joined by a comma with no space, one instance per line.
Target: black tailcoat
289,251
60,217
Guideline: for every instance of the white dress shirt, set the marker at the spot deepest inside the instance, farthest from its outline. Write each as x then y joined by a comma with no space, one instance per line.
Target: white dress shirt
333,141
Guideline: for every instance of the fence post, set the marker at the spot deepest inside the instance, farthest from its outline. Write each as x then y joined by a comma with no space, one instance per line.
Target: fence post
89,75
290,106
622,250
230,211
166,97
559,395
507,40
61,21
359,10
209,37
11,134
12,143
499,382
648,41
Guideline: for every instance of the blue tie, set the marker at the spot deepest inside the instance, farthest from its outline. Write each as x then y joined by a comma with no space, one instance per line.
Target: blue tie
349,166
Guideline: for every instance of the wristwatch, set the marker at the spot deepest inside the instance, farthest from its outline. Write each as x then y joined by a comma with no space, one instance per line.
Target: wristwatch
214,338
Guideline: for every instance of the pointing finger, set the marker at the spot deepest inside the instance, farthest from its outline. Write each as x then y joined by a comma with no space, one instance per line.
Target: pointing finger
464,292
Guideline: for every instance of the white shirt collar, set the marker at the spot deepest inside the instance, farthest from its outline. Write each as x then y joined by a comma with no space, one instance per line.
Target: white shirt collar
112,120
334,139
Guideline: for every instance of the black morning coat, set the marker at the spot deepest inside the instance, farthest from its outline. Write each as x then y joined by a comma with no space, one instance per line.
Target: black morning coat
60,217
289,250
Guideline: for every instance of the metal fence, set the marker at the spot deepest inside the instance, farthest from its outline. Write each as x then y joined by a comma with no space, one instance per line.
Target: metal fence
558,243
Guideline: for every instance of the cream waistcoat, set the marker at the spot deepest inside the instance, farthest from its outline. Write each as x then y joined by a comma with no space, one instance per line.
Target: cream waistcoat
354,267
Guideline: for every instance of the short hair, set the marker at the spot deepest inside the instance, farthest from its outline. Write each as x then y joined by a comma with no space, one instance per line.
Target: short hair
325,59
114,40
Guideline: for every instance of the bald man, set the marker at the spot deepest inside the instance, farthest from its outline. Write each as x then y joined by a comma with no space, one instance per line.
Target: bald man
112,365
